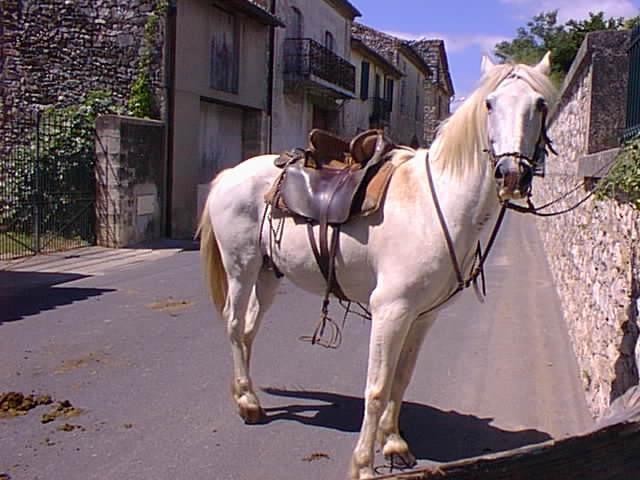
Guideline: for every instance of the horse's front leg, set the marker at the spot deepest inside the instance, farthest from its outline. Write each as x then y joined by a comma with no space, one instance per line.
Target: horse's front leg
394,447
390,324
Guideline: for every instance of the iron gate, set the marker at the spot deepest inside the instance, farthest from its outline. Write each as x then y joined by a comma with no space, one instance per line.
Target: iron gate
47,185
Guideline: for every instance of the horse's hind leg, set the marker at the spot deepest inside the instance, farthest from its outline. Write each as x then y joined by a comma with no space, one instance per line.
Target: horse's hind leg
394,447
264,291
248,299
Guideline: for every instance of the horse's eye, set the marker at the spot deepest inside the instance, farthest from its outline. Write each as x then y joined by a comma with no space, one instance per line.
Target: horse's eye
488,104
541,105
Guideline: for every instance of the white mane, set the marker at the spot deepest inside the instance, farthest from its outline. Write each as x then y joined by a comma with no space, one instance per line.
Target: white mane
461,138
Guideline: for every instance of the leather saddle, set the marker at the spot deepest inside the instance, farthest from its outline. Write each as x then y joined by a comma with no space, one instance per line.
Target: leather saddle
326,182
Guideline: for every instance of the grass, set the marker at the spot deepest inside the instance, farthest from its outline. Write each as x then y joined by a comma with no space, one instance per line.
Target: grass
16,244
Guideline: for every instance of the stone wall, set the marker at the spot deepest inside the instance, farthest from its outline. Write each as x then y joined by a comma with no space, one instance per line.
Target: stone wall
130,180
54,52
593,251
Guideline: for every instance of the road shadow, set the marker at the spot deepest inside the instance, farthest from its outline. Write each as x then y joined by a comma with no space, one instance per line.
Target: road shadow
23,294
432,434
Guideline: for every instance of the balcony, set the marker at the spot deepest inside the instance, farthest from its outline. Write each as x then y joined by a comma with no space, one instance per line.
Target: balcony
381,114
312,66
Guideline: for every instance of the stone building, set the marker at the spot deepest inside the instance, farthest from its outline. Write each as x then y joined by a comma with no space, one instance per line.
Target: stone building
226,79
376,78
439,91
423,93
313,77
220,97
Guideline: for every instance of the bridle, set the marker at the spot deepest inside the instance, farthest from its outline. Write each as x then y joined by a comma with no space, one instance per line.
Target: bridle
544,145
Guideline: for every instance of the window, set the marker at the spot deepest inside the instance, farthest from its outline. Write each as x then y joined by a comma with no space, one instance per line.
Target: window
376,89
364,80
388,92
328,40
224,53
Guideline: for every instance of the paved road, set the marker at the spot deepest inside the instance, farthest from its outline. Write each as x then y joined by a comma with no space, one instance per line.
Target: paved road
139,350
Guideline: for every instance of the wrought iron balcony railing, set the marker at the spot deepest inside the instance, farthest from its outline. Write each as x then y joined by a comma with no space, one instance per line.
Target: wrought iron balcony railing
381,114
632,126
305,58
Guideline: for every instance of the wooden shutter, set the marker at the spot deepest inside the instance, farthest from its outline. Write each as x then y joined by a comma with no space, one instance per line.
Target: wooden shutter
364,80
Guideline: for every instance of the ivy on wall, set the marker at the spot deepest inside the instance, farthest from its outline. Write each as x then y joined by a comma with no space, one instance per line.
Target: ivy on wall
623,180
141,101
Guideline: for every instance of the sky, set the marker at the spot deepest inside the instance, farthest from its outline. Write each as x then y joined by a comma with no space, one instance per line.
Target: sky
471,28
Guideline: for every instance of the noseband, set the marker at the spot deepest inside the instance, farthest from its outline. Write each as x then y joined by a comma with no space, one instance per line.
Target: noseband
543,146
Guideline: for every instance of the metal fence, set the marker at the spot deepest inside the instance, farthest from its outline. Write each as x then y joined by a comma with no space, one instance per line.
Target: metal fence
632,126
47,185
305,57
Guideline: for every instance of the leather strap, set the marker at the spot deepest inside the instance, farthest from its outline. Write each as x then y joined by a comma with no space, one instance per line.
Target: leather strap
478,270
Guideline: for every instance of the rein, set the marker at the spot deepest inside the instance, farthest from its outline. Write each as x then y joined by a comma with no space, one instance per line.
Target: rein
477,269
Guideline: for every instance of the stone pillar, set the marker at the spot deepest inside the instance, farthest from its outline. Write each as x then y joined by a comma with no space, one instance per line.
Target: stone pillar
130,180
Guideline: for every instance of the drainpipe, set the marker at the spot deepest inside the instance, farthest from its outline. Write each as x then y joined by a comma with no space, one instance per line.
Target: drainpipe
271,76
170,78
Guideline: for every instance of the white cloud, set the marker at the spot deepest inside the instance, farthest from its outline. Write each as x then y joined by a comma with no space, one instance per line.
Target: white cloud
576,9
456,43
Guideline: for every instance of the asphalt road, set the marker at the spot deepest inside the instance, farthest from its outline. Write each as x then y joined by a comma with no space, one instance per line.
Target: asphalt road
140,352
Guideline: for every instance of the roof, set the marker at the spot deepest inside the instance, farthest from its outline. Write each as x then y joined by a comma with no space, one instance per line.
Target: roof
256,10
346,8
387,46
358,44
434,53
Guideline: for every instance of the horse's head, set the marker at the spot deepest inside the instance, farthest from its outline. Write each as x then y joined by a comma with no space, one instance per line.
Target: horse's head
516,128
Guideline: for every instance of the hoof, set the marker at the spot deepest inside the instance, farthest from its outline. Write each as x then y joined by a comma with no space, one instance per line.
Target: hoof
396,451
252,415
358,473
251,412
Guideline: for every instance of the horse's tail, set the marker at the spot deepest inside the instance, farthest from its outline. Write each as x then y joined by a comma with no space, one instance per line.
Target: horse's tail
215,273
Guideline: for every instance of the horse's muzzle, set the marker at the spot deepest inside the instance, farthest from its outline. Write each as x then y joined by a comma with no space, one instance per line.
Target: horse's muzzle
513,178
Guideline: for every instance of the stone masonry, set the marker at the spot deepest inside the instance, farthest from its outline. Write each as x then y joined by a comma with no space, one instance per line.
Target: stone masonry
593,251
54,52
440,88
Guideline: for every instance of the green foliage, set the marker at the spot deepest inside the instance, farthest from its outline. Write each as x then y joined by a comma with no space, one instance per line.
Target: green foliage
544,33
623,180
141,101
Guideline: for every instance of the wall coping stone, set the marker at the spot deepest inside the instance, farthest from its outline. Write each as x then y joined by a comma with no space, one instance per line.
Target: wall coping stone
114,118
592,43
597,165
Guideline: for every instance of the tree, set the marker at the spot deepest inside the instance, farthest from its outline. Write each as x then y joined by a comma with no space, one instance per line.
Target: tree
543,33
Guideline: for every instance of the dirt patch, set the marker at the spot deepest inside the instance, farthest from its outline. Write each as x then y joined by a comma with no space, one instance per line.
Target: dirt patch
14,404
316,456
68,427
61,409
81,362
171,306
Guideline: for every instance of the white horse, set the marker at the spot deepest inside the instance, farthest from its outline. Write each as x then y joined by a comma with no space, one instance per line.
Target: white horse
396,261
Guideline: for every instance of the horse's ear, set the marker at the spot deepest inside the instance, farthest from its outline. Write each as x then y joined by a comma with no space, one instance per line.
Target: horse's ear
545,64
486,64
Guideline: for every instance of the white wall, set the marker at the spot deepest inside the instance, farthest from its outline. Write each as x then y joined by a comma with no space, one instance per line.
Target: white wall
293,113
